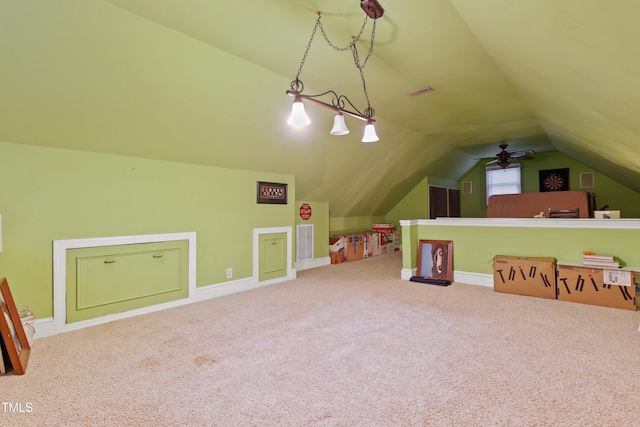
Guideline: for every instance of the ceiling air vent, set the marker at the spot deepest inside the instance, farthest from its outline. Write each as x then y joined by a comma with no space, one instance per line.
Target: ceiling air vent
421,91
467,187
587,180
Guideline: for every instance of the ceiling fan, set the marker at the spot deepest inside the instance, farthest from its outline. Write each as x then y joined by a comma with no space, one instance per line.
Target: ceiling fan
502,158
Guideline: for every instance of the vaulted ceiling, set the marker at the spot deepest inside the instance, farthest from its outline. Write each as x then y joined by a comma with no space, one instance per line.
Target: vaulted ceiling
204,82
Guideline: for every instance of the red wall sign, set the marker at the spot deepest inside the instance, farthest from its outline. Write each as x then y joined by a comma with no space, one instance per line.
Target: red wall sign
305,211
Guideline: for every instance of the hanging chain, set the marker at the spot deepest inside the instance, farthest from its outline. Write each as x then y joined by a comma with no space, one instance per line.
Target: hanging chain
369,112
297,85
355,38
306,52
352,46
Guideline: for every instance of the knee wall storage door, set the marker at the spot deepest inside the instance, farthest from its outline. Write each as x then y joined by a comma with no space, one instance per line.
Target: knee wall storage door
112,279
272,254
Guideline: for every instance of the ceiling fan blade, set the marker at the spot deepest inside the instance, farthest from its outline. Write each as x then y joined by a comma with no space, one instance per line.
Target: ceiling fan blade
517,154
526,157
494,161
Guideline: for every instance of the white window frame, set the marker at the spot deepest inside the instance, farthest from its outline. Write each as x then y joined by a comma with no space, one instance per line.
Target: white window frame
507,187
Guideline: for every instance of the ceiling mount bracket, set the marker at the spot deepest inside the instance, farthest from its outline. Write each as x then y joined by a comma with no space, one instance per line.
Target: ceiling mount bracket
372,8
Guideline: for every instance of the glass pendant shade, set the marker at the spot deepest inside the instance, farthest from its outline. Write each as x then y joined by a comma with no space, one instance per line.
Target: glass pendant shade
298,118
370,133
339,126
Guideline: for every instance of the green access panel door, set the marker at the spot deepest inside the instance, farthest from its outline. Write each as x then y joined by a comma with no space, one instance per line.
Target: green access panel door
112,279
272,256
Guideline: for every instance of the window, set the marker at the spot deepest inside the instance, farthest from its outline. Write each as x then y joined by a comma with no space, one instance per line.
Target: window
503,181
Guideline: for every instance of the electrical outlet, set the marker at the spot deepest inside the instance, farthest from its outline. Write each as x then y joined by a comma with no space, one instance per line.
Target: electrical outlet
229,273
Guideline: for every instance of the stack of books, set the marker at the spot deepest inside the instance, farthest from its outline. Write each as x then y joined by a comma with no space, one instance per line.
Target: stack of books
600,261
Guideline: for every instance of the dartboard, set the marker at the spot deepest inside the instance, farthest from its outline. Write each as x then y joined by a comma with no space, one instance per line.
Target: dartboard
554,182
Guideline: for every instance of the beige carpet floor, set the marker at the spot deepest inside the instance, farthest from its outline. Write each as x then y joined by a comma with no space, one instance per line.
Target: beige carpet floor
343,345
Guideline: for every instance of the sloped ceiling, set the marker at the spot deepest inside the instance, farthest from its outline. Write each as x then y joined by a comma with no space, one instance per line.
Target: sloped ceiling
204,82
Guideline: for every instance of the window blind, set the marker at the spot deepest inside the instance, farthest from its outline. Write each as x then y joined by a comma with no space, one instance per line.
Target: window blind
503,181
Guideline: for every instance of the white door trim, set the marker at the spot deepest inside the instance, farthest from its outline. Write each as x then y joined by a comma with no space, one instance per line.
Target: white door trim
60,248
291,274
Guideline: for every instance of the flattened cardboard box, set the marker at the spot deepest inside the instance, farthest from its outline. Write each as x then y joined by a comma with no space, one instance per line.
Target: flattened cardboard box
532,276
586,285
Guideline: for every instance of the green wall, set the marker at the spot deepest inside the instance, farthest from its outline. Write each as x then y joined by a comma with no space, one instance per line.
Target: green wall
415,205
353,224
607,191
320,220
52,194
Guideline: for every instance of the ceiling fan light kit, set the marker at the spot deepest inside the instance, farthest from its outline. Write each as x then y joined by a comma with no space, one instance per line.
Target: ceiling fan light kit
502,158
338,103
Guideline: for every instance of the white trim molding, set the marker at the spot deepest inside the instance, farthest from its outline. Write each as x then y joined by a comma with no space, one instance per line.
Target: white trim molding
60,248
408,273
593,223
466,277
225,288
471,278
57,324
316,262
291,273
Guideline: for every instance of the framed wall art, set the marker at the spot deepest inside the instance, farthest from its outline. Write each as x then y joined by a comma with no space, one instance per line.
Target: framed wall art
435,259
13,335
272,193
554,180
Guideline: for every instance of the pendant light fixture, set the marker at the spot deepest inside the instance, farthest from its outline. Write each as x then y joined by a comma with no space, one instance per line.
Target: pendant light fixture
298,118
338,103
339,126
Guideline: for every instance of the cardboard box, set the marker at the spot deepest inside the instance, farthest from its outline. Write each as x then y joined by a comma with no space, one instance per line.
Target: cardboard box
375,247
606,214
337,249
366,242
386,228
586,285
393,242
336,244
337,257
354,247
532,276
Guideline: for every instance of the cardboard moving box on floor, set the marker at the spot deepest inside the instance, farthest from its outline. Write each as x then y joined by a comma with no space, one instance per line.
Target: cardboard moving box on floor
586,285
354,247
337,257
532,276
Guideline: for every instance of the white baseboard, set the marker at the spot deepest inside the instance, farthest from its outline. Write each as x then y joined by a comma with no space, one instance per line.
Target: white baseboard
408,273
221,289
57,324
470,278
316,262
46,327
122,315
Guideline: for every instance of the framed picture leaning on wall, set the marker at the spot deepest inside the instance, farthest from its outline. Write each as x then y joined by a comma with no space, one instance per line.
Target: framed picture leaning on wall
13,335
435,259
